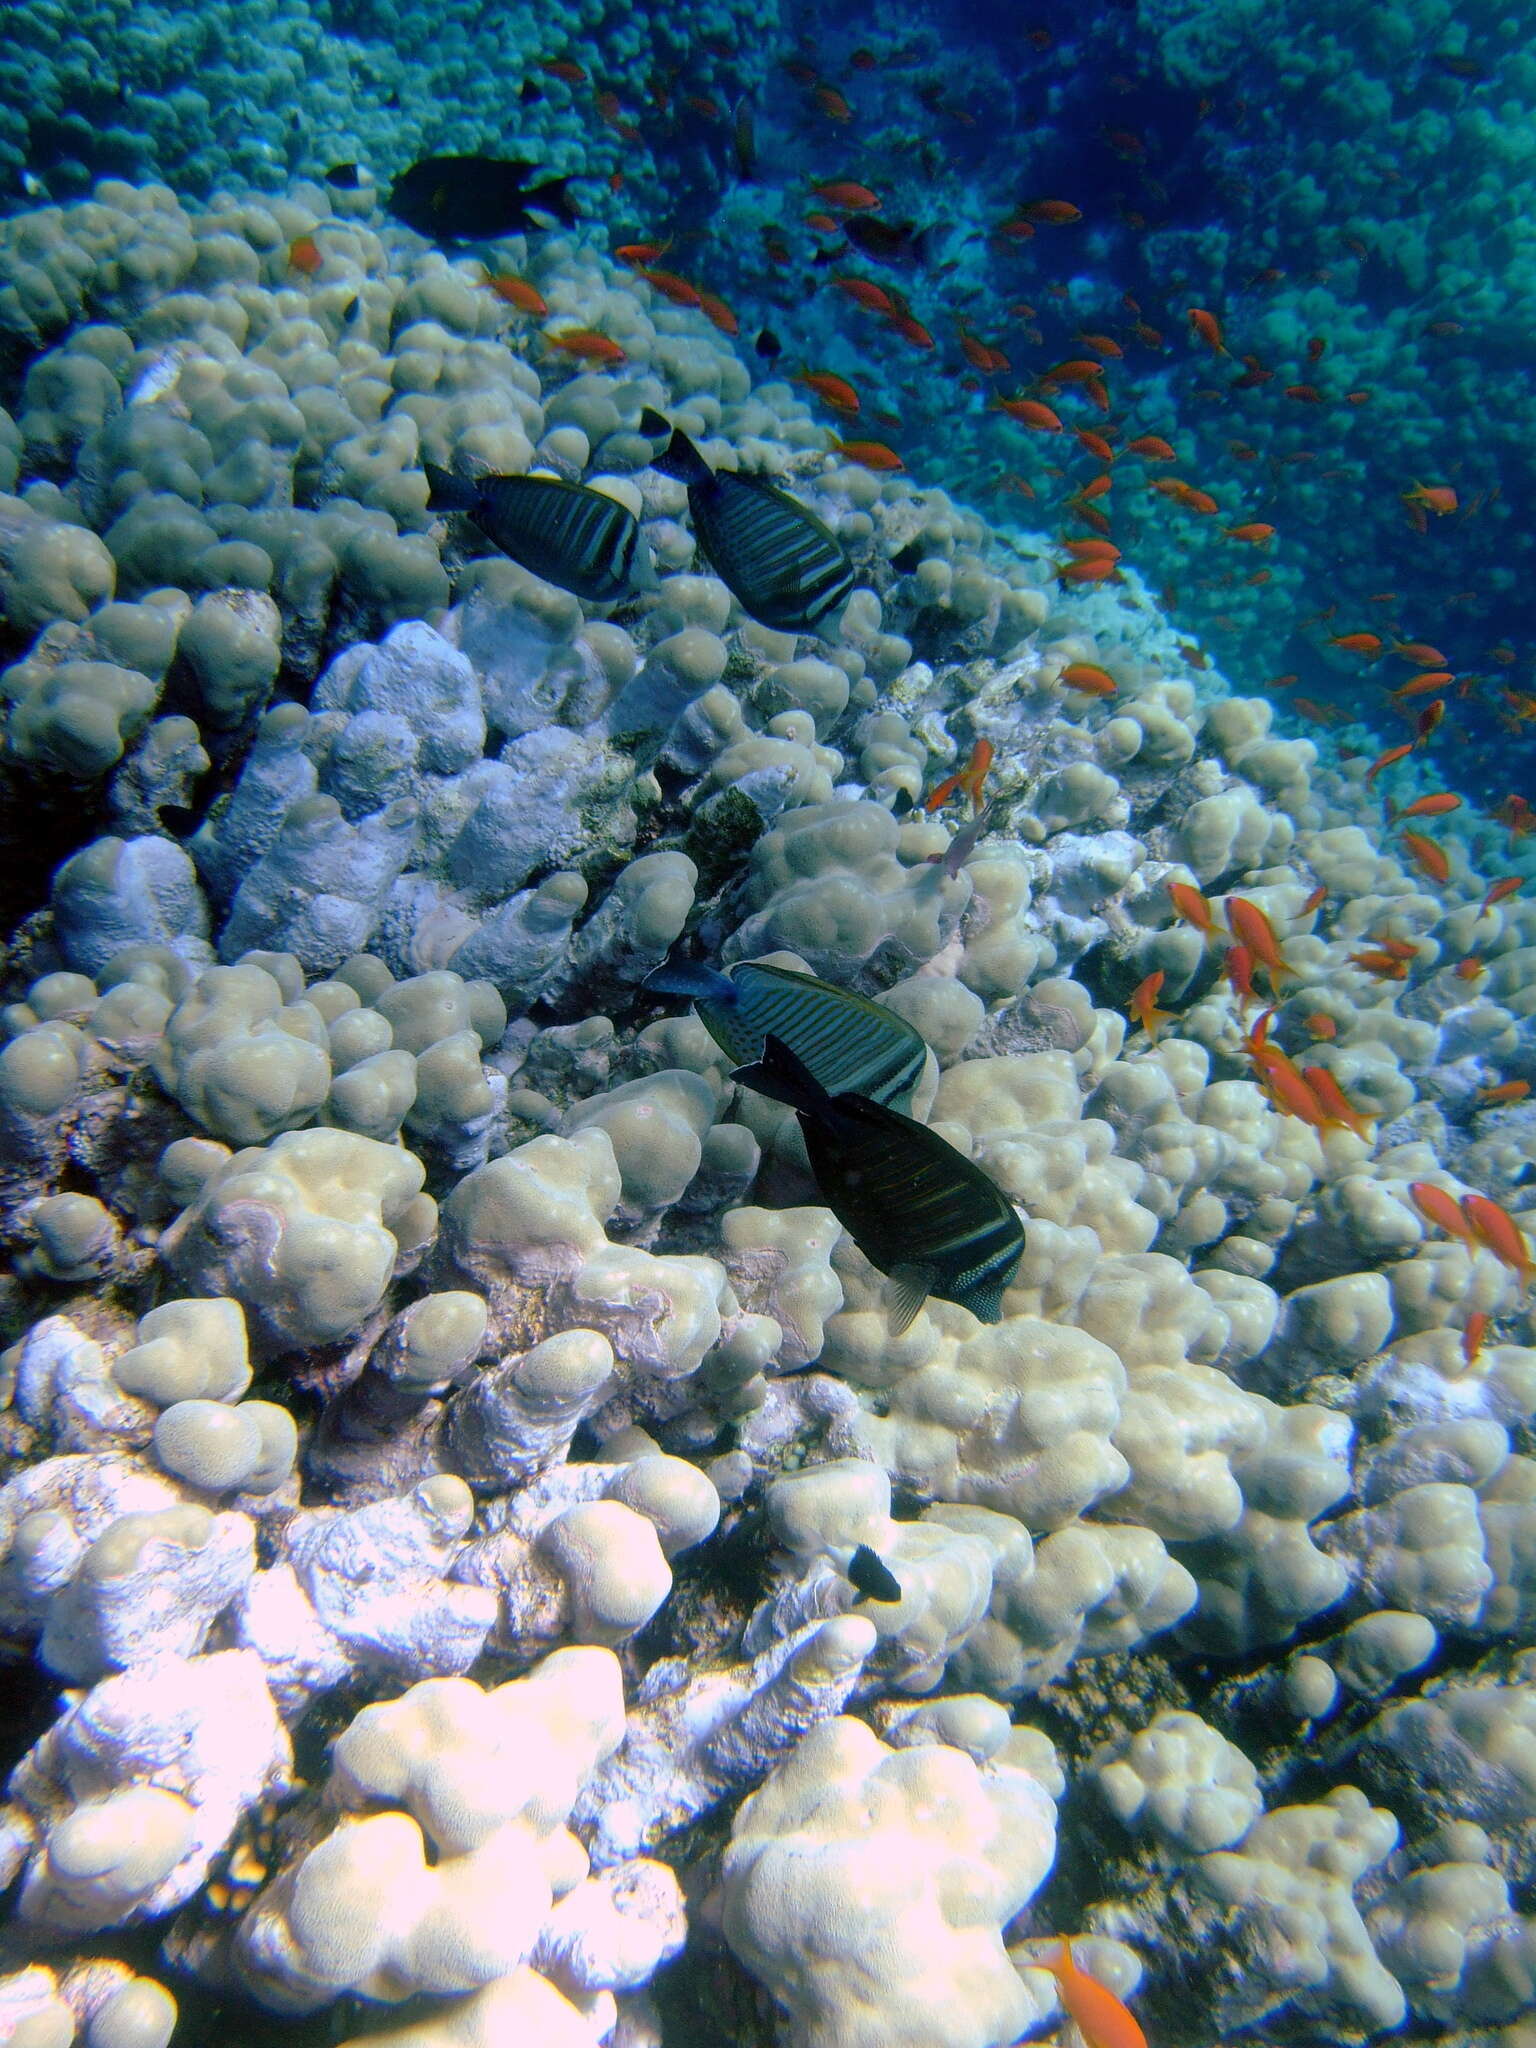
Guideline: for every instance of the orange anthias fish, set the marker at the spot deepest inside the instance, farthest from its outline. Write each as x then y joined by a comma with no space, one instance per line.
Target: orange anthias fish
1055,213
1427,721
1498,1231
587,345
1098,571
1194,908
1088,677
831,103
865,292
1428,856
1315,901
1151,448
1437,498
830,389
1436,805
1421,685
1441,1208
1321,1025
718,313
1237,964
970,778
1385,966
1336,1105
1357,643
1419,652
1256,531
1500,891
1143,1004
848,196
1386,760
1506,1091
635,253
1030,412
673,288
1253,930
1102,2019
304,255
516,291
1472,1336
869,454
1208,327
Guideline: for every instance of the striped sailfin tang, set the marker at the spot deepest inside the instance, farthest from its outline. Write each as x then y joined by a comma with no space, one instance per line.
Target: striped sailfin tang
580,539
851,1045
783,564
909,1200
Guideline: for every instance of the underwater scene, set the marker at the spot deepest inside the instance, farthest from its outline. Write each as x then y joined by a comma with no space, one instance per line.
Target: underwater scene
767,1166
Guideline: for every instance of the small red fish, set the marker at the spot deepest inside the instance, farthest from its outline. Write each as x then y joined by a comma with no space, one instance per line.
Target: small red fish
1315,901
869,454
1436,805
1336,1105
1472,1336
1496,1229
848,196
1089,678
1193,907
1253,930
1321,1025
1428,856
1143,1004
1387,760
1441,1208
1102,2019
1506,1091
1237,965
1031,412
1055,213
587,345
1151,448
1208,327
831,103
718,313
304,255
831,389
1500,891
516,291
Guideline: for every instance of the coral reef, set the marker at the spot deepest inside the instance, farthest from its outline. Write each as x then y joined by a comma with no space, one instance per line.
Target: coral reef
443,1420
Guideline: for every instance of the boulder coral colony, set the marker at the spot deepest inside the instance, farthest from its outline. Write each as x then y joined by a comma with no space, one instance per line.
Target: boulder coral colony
441,1416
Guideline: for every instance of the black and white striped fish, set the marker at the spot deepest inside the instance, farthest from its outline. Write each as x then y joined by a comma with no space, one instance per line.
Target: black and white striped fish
580,539
774,554
851,1045
914,1206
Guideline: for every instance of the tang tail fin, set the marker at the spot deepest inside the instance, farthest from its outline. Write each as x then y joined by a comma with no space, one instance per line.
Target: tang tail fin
449,493
654,425
680,458
690,978
782,1077
552,197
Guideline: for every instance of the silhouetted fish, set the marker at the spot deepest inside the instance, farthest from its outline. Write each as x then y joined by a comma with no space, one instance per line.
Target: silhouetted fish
914,1206
786,568
871,1577
580,539
476,198
769,346
345,177
850,1044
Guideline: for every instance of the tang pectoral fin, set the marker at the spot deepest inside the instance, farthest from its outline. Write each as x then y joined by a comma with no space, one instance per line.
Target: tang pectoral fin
910,1286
